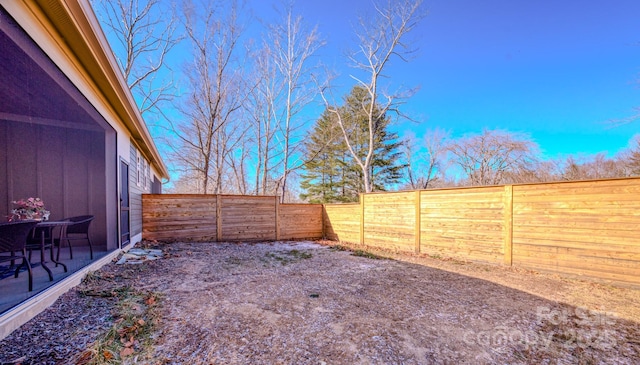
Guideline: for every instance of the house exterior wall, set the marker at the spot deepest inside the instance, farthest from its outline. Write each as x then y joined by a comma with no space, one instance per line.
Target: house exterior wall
75,54
44,34
64,167
56,145
139,183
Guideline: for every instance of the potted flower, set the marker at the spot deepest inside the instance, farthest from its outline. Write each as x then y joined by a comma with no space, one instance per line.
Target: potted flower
31,208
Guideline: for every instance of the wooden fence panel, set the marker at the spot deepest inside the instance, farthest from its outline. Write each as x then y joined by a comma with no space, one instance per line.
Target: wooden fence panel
585,228
299,221
197,217
389,220
179,217
248,217
463,223
342,222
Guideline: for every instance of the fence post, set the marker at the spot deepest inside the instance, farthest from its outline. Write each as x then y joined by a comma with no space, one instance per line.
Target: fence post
277,205
508,224
218,217
322,214
361,219
417,222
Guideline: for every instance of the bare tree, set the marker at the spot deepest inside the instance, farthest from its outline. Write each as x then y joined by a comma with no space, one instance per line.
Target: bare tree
425,159
598,166
238,165
281,77
633,158
573,169
487,157
292,45
410,151
602,167
260,106
144,35
206,138
538,171
628,159
381,38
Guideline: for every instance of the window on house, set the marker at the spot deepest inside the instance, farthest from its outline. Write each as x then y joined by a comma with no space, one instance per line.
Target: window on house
145,174
149,177
138,169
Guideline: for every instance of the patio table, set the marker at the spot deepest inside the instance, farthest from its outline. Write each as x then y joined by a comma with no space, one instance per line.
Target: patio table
50,226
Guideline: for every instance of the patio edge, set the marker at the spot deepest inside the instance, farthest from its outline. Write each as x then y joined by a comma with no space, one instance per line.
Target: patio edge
25,311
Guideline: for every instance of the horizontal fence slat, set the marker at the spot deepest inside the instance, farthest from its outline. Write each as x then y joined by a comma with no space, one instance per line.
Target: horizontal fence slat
583,228
194,217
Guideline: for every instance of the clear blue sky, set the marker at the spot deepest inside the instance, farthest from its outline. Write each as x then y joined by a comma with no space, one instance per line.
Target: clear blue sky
558,70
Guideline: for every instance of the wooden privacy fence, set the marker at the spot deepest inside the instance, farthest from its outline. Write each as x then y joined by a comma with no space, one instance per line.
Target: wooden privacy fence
588,228
227,218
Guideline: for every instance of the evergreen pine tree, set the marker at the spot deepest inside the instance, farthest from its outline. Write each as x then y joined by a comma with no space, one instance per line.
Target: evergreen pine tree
322,172
332,175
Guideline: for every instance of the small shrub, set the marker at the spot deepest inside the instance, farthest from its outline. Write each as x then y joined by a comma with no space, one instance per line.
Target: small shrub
300,255
287,257
233,261
369,255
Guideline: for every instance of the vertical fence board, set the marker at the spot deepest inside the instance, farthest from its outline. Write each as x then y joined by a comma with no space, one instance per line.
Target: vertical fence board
277,216
219,218
362,218
417,224
508,225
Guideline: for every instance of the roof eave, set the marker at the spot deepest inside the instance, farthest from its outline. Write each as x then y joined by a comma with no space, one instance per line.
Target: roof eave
78,26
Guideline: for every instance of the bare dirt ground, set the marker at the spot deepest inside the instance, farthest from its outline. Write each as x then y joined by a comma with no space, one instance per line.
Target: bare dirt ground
306,303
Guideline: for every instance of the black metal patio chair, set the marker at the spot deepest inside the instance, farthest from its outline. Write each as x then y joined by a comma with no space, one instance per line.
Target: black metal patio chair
13,240
77,230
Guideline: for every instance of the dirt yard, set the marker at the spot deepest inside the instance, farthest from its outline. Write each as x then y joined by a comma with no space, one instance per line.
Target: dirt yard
307,303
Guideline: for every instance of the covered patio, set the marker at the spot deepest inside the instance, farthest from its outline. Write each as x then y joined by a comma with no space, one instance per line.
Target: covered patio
56,146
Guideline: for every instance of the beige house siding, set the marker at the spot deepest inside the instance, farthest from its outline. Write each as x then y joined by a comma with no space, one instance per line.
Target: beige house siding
139,183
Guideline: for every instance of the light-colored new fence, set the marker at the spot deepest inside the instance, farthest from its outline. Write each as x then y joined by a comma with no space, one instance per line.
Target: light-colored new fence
587,228
227,218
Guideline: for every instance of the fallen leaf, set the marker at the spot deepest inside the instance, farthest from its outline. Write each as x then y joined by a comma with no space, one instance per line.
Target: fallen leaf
127,343
150,300
141,322
85,358
108,355
126,352
126,330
